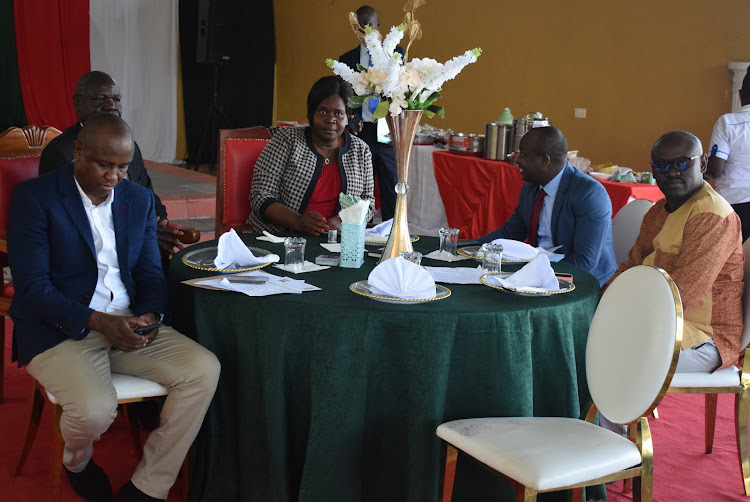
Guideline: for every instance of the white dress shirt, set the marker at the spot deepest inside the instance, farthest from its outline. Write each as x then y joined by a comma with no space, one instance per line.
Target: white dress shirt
730,141
544,234
110,294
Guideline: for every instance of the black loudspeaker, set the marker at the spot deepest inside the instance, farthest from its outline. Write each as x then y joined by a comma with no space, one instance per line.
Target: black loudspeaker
218,31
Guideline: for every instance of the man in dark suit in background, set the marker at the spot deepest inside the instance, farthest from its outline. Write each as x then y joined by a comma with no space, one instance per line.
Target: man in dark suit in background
560,206
97,92
82,247
383,158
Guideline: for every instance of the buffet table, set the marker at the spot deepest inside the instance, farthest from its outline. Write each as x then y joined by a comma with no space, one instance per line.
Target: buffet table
480,195
329,395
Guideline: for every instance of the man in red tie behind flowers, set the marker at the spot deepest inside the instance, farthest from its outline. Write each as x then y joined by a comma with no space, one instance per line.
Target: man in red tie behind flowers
560,206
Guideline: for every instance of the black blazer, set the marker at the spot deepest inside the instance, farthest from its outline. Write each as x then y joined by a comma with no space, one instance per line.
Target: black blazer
59,152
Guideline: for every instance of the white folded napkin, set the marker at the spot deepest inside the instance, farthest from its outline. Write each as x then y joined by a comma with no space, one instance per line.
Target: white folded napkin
269,237
233,250
307,266
444,256
355,214
517,250
380,230
537,275
401,279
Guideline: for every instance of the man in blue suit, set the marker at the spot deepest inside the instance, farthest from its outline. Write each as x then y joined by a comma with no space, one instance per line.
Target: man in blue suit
560,206
86,267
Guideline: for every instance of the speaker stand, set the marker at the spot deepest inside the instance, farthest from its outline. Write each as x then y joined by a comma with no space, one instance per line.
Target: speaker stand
215,119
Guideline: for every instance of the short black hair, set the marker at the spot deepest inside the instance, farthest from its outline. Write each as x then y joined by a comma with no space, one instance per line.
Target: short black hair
95,77
365,9
552,142
745,91
324,88
103,122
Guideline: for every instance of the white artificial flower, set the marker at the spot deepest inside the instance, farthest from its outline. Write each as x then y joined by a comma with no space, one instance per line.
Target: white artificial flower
392,39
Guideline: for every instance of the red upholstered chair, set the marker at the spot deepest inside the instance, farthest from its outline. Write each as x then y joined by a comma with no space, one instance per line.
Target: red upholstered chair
239,149
19,160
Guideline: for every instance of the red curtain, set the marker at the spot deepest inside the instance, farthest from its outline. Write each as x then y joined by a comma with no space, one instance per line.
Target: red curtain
52,40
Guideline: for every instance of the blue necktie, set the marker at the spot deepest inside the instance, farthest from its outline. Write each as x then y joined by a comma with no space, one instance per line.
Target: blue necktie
374,101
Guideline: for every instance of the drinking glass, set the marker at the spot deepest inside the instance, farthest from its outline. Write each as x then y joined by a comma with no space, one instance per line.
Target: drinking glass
412,256
449,240
492,258
294,253
332,235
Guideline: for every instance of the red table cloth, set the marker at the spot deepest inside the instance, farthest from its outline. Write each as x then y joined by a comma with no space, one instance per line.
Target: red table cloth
480,195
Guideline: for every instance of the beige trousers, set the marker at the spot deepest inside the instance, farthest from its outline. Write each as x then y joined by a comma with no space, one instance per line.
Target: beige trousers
78,374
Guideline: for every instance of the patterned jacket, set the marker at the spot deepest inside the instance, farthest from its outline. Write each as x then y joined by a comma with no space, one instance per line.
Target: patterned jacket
289,167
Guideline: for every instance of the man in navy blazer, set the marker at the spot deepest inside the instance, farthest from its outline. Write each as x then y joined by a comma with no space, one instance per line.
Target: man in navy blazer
86,268
576,212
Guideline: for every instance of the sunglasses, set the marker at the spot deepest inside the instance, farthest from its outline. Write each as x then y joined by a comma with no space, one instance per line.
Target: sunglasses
680,164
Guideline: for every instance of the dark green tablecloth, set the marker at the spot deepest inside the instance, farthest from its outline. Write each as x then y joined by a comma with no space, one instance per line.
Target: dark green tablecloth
332,396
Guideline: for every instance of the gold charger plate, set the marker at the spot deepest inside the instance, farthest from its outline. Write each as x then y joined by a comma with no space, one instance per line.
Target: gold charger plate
565,287
414,238
363,288
471,252
203,259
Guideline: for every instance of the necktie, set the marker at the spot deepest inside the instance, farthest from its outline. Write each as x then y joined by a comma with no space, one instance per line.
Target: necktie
373,102
535,212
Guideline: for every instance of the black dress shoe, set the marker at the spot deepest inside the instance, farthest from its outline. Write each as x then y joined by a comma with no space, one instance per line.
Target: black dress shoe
91,483
129,493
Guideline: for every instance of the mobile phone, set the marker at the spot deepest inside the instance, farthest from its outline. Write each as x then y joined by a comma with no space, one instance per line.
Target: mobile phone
248,280
145,330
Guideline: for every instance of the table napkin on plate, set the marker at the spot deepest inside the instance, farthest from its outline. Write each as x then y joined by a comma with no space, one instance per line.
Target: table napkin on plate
381,230
401,279
269,237
307,266
517,250
444,256
537,275
233,250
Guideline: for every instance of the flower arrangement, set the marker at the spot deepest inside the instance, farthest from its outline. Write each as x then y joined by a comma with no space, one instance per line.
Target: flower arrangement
410,85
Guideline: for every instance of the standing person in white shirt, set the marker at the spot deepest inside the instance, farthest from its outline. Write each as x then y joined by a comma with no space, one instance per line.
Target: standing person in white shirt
729,159
86,267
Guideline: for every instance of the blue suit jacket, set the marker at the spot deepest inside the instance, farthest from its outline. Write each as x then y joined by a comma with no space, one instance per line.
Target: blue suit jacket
52,256
581,222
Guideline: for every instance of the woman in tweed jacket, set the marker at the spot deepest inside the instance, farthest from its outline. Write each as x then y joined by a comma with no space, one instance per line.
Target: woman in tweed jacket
302,170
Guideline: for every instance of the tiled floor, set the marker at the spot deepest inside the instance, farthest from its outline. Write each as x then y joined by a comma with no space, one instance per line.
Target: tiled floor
190,196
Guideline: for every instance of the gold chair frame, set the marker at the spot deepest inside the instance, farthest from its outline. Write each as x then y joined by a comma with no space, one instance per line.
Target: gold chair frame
642,476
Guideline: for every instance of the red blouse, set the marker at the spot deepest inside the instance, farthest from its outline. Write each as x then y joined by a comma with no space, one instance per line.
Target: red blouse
325,198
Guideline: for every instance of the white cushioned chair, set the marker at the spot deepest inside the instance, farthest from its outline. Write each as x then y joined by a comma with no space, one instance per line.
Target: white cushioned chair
730,380
626,225
130,389
630,361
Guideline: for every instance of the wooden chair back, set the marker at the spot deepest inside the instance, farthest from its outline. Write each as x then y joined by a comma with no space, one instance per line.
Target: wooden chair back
20,150
239,149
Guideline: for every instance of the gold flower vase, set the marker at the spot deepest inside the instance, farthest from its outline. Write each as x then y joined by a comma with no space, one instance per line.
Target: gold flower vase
403,127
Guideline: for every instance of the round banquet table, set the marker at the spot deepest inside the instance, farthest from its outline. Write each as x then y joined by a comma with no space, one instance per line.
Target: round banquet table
329,395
